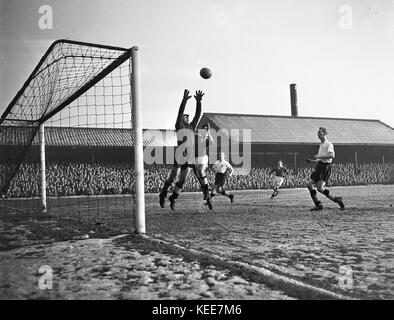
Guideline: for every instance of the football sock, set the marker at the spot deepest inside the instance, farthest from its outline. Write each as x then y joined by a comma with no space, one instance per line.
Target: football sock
273,194
223,192
197,174
328,195
314,197
205,191
174,196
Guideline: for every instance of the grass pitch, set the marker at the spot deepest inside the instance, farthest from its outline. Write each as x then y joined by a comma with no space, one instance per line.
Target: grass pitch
346,251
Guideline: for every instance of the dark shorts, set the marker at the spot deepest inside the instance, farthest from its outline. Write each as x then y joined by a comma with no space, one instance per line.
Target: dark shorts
220,179
322,172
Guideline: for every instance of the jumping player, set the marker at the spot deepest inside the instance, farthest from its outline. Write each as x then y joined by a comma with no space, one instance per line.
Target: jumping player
278,178
322,173
182,170
203,140
220,168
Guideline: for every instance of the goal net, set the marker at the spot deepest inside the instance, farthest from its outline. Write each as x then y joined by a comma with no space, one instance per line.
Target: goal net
67,144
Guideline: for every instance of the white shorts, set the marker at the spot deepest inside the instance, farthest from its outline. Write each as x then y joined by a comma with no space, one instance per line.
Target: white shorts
202,160
277,181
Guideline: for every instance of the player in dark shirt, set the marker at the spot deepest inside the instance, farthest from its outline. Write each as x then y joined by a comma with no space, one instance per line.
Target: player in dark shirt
280,172
184,161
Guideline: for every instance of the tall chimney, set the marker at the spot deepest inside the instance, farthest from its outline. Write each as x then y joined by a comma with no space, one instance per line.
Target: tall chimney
293,99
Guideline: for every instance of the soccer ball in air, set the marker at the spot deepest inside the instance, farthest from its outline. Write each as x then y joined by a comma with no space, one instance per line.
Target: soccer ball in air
205,73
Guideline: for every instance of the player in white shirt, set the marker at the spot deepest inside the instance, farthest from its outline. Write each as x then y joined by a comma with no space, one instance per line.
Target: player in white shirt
203,141
220,167
322,173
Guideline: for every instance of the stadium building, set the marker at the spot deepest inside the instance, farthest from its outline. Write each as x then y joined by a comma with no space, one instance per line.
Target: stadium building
293,138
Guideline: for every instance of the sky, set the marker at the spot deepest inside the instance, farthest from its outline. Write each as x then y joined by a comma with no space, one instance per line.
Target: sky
340,53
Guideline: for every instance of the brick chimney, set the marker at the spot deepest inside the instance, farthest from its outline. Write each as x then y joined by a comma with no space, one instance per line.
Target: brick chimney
293,99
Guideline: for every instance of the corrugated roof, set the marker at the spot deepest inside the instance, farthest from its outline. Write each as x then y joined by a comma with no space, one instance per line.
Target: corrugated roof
283,129
263,129
91,137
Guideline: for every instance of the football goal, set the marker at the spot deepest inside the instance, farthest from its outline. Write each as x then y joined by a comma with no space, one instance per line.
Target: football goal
71,150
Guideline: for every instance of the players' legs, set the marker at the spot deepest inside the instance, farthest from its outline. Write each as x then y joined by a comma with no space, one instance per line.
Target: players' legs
202,172
197,174
167,184
277,183
201,176
219,189
179,185
275,187
275,193
202,169
224,193
215,189
170,180
322,189
311,187
281,180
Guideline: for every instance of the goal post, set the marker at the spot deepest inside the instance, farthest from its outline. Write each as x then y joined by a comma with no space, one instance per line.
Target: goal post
138,143
42,168
87,164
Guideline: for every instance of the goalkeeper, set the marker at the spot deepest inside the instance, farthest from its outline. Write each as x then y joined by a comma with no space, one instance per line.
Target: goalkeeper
182,170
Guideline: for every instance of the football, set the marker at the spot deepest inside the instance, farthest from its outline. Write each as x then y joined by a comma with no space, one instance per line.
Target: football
205,73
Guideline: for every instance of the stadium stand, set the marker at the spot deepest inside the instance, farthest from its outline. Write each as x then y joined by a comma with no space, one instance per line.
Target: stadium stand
105,178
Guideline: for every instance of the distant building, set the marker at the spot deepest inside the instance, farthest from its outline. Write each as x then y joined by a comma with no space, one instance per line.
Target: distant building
292,138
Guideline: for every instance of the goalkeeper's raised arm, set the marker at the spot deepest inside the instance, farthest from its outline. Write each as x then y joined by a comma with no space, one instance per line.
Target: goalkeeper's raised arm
198,96
182,118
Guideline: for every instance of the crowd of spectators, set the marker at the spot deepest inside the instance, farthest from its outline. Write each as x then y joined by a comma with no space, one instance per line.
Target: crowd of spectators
100,179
